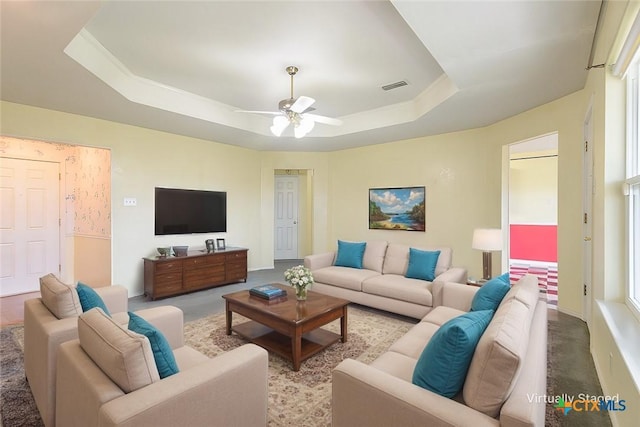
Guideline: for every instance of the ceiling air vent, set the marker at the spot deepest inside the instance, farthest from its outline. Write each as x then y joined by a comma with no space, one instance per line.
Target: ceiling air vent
394,85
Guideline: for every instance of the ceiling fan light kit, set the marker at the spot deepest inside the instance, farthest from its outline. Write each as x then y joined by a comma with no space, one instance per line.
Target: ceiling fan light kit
292,111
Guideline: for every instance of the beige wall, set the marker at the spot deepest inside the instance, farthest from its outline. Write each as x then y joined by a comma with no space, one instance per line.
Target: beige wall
533,190
461,172
92,261
462,191
142,159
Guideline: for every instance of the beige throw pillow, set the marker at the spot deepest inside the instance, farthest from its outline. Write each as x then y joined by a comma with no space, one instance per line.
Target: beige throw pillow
124,356
61,299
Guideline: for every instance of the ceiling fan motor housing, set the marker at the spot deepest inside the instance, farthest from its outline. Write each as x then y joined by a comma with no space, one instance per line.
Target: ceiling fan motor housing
285,104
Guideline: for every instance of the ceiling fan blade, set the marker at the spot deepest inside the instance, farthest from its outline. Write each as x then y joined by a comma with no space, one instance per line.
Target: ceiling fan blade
273,113
301,104
324,119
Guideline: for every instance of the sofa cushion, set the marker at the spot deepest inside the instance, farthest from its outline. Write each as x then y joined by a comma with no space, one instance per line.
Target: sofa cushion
61,299
162,353
343,277
441,315
400,288
374,255
90,298
526,290
396,364
422,264
124,356
396,259
442,366
490,295
498,358
413,342
350,254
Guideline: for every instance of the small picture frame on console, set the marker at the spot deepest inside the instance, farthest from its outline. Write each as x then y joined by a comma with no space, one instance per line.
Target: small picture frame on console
221,245
210,245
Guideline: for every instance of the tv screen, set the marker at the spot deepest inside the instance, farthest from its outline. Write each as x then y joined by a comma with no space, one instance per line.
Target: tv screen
190,211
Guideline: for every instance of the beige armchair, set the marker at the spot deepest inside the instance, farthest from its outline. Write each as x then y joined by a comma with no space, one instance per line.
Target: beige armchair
44,332
122,389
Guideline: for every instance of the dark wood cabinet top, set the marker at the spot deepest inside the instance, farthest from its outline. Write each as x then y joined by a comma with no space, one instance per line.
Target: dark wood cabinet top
196,253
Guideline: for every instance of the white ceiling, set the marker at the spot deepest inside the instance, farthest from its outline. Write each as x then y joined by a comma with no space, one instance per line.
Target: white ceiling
186,67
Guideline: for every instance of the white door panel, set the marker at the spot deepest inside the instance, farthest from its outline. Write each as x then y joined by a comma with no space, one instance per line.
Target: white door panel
29,224
286,217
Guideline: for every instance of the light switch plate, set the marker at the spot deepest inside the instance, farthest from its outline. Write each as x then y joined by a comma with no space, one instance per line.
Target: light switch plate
130,201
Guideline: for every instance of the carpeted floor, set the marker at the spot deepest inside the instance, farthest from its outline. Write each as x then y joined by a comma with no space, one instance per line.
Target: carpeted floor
303,398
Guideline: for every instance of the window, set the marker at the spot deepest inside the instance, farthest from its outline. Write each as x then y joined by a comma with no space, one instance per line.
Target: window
632,186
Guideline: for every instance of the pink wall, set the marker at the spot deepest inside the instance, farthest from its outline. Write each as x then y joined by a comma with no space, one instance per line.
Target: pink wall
534,242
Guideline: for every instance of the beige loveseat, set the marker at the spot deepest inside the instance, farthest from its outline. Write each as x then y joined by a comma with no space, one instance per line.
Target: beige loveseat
381,283
44,332
504,386
108,377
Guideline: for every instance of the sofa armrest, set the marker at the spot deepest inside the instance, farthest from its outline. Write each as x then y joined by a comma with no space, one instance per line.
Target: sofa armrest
228,390
169,320
454,274
317,261
115,297
366,396
43,333
454,295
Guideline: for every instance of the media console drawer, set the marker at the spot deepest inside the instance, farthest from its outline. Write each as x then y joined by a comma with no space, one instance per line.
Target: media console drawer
165,277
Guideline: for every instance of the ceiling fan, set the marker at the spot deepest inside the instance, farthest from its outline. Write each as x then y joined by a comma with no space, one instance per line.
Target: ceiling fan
296,112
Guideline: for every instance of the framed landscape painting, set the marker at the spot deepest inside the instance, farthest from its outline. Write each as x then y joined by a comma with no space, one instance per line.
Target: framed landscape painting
396,208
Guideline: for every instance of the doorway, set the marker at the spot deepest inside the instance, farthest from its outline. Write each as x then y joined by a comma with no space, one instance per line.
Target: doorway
29,224
286,217
82,183
293,213
533,212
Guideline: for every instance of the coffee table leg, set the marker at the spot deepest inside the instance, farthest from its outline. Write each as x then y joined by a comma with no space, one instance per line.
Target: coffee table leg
343,324
229,315
296,348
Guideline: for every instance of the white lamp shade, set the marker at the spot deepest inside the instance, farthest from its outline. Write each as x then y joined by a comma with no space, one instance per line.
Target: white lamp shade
303,128
279,125
487,239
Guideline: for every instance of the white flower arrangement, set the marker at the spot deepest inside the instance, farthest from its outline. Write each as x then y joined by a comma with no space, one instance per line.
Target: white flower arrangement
300,277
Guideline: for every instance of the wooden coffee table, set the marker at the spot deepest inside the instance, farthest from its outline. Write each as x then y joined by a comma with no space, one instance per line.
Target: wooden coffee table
288,327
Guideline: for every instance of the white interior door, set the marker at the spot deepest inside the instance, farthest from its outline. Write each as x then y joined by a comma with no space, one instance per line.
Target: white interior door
587,222
286,217
29,224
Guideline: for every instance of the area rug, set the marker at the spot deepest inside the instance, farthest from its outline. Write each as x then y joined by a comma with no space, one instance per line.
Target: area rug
300,398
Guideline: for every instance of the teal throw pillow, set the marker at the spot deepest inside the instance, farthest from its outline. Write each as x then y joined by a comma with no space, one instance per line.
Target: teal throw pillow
444,362
350,254
422,264
162,353
90,298
490,295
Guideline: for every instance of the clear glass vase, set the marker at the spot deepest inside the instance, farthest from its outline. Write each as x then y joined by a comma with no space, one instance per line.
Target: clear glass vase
301,293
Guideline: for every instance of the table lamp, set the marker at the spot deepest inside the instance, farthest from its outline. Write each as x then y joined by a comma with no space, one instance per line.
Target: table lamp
487,240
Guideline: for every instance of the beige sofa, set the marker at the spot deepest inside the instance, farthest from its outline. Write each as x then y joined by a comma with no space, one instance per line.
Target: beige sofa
381,283
108,377
505,384
44,332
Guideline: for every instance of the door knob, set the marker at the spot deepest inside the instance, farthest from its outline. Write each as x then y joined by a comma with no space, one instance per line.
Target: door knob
587,239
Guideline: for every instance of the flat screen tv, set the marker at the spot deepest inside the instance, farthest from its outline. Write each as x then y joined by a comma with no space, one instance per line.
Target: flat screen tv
190,211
